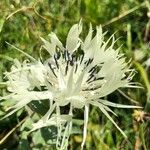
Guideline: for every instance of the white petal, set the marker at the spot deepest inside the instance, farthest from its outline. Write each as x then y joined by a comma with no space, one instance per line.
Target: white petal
73,41
70,80
50,47
105,102
108,116
54,39
88,38
61,81
79,82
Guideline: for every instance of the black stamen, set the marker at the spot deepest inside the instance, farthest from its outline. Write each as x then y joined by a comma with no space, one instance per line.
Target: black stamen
56,62
76,68
92,70
65,55
89,61
96,79
71,62
91,89
49,82
90,78
82,56
76,58
66,69
58,55
100,78
52,69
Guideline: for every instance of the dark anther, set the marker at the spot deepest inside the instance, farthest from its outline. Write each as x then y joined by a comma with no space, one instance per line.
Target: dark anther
66,69
90,78
71,62
100,78
52,69
49,82
76,58
93,69
81,59
72,58
92,89
58,55
56,62
76,68
88,62
66,55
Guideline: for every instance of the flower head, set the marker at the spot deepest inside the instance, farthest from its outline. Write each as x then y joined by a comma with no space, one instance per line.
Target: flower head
79,74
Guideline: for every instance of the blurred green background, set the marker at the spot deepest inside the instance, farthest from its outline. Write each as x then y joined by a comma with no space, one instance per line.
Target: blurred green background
22,22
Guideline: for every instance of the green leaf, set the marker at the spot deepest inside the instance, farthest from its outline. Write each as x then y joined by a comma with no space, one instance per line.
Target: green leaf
2,21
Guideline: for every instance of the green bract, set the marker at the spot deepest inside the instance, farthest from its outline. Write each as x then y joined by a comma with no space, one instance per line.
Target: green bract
79,74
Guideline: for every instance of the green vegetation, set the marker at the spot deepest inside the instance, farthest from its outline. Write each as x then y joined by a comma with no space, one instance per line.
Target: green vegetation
23,22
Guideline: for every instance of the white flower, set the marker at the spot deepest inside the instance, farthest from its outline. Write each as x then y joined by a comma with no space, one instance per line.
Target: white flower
79,74
22,79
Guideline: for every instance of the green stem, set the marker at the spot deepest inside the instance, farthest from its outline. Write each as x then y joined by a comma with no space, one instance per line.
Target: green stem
142,136
146,82
143,75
